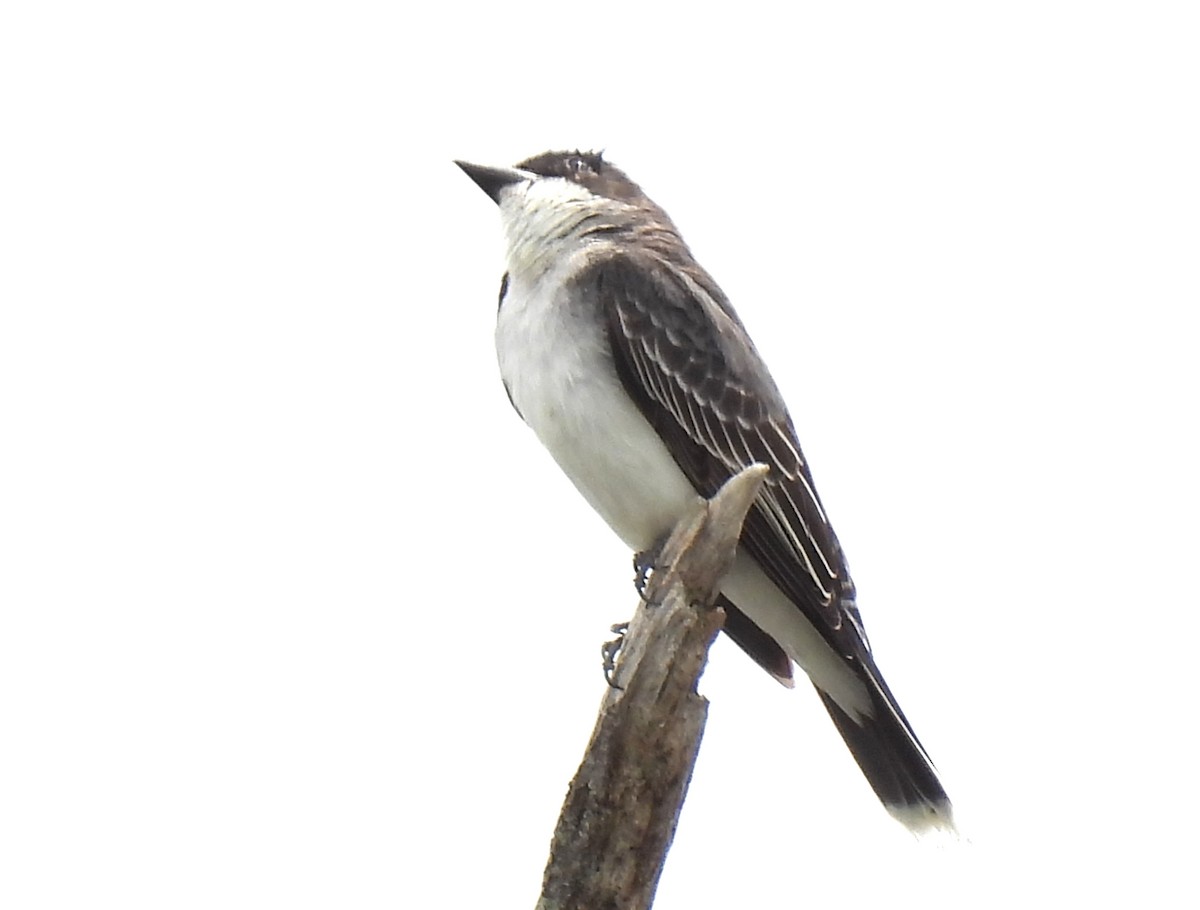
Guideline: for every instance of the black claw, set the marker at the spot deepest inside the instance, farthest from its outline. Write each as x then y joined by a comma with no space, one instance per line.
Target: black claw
609,651
644,565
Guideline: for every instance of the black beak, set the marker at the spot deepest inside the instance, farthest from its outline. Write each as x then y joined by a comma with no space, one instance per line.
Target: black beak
492,179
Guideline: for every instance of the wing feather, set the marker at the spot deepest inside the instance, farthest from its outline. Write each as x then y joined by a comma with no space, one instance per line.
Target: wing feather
685,358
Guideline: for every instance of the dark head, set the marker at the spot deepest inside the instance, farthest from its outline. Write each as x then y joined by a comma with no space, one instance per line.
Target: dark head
586,169
554,203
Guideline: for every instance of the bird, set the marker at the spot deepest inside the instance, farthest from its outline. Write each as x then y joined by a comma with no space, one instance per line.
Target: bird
632,368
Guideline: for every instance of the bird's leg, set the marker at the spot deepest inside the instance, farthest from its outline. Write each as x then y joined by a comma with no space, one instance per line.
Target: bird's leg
645,562
609,651
644,565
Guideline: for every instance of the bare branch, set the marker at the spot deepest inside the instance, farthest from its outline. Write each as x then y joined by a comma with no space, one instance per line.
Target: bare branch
622,808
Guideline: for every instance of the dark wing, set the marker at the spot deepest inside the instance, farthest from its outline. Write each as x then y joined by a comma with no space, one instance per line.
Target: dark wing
684,357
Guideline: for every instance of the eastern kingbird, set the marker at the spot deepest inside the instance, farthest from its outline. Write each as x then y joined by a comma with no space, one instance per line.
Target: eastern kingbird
633,369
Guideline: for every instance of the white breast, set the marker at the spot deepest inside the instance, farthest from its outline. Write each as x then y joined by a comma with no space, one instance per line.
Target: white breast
555,361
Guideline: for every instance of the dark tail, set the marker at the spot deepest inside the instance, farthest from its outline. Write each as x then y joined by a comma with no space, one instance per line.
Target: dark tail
893,760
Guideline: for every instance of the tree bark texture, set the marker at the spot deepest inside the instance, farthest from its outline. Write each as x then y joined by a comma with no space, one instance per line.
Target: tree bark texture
621,810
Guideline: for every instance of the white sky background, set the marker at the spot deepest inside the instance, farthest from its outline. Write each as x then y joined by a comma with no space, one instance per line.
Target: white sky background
295,612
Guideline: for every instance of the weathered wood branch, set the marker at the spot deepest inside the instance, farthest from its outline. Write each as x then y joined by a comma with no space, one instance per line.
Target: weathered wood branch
621,810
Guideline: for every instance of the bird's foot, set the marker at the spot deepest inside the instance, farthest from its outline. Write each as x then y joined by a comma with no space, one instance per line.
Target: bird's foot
609,651
645,564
